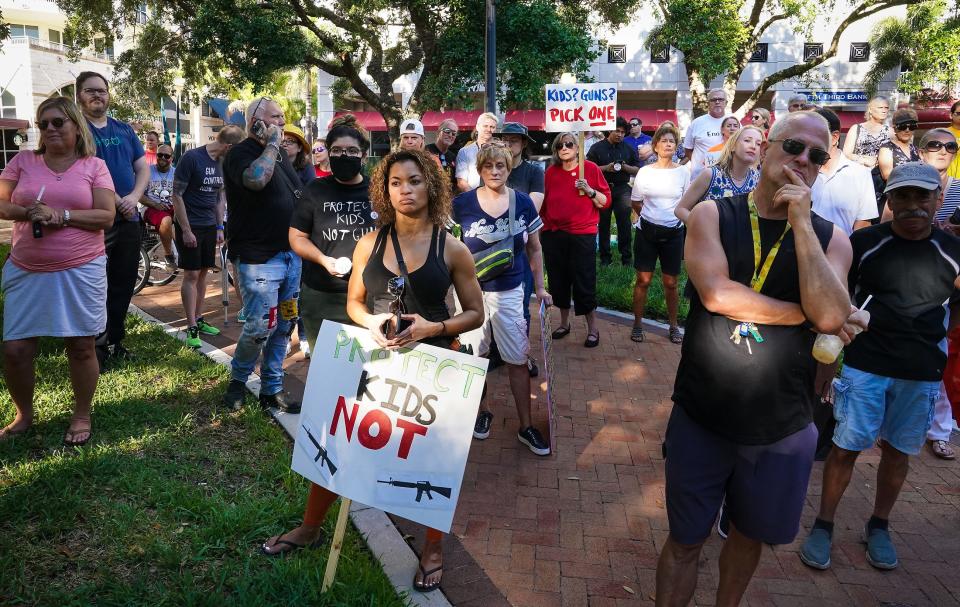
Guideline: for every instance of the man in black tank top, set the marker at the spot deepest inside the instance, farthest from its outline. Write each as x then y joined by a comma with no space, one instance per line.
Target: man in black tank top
742,419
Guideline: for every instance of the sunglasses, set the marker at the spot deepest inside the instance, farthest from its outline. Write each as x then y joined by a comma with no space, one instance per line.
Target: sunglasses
935,146
793,147
756,117
319,150
906,126
56,122
634,124
567,145
168,156
448,131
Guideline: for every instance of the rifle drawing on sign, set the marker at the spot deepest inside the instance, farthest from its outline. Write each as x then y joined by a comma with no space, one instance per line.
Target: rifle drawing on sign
322,456
421,487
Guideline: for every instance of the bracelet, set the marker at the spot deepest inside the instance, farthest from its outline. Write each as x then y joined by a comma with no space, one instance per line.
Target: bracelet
219,227
66,217
443,328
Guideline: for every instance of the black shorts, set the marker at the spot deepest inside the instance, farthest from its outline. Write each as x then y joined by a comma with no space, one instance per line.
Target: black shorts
201,256
658,242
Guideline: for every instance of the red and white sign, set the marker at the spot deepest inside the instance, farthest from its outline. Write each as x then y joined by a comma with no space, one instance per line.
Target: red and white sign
388,428
581,107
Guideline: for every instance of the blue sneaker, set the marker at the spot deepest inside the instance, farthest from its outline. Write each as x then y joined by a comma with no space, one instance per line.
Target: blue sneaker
880,551
816,550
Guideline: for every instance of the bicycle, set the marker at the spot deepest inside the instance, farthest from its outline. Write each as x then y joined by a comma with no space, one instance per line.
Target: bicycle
153,269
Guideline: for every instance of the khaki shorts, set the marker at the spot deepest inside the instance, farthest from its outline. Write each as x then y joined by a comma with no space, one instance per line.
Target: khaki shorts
505,323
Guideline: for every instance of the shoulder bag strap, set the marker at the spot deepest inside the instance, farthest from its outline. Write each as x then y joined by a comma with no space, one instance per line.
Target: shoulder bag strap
511,211
403,268
297,193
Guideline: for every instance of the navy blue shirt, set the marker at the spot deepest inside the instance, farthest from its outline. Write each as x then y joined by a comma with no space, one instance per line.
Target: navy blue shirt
204,179
119,147
480,231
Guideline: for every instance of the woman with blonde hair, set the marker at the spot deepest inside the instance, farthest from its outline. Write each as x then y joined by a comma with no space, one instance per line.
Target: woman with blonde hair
760,118
60,199
864,139
735,172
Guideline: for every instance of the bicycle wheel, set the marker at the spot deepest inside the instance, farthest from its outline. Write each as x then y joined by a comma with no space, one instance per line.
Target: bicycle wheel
143,271
160,273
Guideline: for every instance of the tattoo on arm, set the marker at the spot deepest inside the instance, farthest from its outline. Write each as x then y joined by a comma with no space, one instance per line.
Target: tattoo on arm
260,171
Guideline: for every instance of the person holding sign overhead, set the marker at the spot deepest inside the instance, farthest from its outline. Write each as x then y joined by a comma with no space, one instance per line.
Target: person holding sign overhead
570,214
411,197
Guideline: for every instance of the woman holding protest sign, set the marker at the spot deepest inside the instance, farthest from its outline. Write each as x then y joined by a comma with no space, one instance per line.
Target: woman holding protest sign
411,197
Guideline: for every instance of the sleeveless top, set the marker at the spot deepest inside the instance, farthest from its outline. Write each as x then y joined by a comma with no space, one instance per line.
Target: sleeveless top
898,156
758,398
722,186
426,290
868,144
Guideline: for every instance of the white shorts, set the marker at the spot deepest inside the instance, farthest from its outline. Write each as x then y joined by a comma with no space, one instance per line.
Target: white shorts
505,323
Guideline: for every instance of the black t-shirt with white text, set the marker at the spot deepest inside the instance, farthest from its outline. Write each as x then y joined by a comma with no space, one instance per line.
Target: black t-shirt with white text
258,221
336,216
526,178
912,282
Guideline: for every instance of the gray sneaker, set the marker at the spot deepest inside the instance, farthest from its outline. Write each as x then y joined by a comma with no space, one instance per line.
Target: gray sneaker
880,551
816,550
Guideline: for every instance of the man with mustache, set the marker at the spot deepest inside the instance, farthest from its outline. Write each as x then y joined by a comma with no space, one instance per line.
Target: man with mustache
891,374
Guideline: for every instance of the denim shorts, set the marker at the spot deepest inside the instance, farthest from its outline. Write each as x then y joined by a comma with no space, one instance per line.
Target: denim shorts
897,410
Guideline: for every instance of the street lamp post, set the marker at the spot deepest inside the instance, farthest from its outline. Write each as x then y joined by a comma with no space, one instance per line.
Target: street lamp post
491,56
178,83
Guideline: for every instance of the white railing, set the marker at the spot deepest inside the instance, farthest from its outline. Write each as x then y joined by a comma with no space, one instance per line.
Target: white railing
58,48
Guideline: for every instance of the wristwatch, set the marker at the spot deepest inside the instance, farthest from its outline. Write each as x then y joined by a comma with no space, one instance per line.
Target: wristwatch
592,195
617,166
66,217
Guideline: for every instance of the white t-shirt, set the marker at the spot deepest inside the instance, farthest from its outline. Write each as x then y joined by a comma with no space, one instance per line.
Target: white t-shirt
702,134
467,164
660,191
845,196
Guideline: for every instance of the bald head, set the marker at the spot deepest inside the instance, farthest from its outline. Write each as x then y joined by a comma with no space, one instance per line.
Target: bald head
793,139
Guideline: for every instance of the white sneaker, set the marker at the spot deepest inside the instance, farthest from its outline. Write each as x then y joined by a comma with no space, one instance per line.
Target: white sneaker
305,348
289,347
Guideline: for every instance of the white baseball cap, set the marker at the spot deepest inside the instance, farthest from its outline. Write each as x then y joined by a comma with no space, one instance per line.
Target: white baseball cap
411,125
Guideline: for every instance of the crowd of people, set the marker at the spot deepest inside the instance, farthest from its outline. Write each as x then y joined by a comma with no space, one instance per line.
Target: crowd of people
784,235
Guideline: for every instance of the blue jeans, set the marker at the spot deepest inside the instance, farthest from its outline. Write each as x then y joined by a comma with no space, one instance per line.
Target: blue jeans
270,290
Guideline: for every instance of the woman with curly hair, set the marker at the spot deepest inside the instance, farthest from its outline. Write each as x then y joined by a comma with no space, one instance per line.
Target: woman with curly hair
411,197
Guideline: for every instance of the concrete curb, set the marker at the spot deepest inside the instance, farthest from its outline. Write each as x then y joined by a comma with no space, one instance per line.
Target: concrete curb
397,559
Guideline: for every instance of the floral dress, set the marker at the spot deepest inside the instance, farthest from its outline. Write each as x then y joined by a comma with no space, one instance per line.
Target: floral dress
723,186
869,144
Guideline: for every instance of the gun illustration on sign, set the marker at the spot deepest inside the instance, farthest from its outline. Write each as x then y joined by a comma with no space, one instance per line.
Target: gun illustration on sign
421,487
322,456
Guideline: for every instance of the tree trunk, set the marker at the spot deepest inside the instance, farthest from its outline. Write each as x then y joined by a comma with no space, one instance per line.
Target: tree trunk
698,93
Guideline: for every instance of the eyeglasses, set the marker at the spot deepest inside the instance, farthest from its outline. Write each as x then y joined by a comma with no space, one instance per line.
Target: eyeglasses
718,100
566,145
351,152
936,146
290,142
96,92
818,156
56,122
167,156
449,132
906,126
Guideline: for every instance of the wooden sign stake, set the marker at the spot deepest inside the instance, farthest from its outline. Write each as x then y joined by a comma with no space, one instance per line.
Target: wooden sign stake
337,544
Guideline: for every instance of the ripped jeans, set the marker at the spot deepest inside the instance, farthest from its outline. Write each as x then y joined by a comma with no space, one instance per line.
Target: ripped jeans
270,291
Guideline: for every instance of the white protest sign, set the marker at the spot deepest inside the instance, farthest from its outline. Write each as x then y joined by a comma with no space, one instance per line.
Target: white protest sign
388,428
581,107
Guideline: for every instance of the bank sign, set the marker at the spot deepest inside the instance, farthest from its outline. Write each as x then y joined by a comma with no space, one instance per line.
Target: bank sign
836,97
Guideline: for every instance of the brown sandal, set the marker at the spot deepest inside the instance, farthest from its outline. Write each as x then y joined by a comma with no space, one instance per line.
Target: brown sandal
942,449
85,427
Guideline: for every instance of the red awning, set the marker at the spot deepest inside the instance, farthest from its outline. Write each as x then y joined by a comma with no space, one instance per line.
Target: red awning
934,117
466,119
372,121
534,120
652,119
14,123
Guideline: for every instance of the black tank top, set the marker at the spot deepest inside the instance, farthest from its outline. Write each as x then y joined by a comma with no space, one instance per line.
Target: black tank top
426,291
759,398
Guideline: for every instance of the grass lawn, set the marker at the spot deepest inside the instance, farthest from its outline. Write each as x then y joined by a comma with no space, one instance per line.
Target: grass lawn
168,502
615,290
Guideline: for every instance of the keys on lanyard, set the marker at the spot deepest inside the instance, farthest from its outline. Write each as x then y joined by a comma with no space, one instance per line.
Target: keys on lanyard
744,331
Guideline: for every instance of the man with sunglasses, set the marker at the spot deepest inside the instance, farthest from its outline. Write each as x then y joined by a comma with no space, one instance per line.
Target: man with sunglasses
443,149
118,146
891,373
639,140
704,132
159,211
797,103
765,271
262,189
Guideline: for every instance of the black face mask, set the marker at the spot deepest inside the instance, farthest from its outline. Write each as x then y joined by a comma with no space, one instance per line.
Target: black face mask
345,168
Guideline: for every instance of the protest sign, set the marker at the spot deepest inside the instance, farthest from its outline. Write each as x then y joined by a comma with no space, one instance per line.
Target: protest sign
581,107
388,428
546,344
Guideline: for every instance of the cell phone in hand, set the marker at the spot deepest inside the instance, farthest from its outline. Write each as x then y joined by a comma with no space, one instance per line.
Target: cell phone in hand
259,129
387,327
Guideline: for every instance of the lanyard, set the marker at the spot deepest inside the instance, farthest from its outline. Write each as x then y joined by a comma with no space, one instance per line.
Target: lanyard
760,275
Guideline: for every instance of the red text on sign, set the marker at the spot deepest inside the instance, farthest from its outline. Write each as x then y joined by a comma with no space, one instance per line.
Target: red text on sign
384,428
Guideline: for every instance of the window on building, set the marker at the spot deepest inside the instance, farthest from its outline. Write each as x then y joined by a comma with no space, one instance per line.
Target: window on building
660,55
21,31
142,13
8,105
760,53
104,46
55,36
8,146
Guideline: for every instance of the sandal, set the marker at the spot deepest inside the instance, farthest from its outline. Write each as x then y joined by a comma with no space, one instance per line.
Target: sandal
6,434
675,336
592,341
561,332
637,334
941,449
84,428
293,547
420,586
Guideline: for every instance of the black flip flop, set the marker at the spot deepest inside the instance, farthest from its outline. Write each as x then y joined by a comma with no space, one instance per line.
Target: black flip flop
88,430
592,341
421,587
561,332
293,547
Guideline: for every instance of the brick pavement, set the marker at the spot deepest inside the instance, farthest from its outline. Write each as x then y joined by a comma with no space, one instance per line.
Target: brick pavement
584,527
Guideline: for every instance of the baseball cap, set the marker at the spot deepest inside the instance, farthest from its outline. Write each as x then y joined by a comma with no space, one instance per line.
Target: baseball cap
411,125
514,128
913,174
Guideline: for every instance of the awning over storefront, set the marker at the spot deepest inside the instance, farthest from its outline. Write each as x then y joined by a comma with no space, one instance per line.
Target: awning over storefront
651,119
372,121
219,106
14,123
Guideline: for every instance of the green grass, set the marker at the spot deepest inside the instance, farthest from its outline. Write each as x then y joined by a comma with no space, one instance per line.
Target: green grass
615,290
167,504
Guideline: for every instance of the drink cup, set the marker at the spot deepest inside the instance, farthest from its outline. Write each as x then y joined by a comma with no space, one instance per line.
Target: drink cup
827,348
